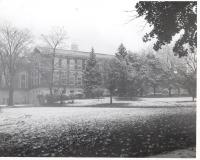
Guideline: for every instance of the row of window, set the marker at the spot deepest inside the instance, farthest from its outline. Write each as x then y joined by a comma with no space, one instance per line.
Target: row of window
22,81
60,77
72,64
77,64
74,78
36,78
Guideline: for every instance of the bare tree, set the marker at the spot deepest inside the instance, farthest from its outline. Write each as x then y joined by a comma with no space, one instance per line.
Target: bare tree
13,45
189,75
181,72
54,40
170,64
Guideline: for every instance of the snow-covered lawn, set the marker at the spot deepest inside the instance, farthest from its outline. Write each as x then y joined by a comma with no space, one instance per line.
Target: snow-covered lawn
13,119
25,122
16,119
141,102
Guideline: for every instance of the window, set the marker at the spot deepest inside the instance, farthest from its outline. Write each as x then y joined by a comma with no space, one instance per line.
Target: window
35,78
56,62
63,77
72,64
83,64
75,63
71,79
65,63
23,80
60,63
79,80
56,76
79,64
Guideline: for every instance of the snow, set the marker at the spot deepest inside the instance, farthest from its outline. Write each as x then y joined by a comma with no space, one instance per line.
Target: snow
181,153
142,102
16,119
22,122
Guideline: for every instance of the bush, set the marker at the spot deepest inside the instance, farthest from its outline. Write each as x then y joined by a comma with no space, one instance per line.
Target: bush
97,92
127,98
55,98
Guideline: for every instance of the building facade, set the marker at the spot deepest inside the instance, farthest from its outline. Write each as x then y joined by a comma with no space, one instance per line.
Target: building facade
33,79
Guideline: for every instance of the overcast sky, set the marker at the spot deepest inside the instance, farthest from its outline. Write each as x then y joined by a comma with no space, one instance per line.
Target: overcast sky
98,23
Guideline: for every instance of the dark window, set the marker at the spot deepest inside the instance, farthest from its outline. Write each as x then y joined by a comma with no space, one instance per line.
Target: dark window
79,64
72,64
75,63
23,81
60,63
71,79
84,64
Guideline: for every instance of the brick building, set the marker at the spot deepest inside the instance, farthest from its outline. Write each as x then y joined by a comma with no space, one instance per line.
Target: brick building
31,79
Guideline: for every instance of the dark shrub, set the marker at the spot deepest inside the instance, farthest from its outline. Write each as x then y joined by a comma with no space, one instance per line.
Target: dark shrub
127,98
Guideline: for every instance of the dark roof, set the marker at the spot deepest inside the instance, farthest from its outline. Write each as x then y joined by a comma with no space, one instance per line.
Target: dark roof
71,53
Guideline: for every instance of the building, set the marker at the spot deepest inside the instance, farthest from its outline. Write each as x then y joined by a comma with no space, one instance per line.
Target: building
32,79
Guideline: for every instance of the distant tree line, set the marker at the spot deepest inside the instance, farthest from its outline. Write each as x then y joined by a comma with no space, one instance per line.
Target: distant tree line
134,74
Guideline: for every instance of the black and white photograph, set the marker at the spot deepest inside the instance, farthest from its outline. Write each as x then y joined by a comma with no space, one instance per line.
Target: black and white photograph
98,78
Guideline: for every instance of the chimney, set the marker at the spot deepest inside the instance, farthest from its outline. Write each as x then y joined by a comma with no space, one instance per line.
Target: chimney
74,47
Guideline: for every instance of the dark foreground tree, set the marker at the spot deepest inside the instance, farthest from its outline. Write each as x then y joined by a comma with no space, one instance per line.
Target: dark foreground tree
91,76
13,45
168,18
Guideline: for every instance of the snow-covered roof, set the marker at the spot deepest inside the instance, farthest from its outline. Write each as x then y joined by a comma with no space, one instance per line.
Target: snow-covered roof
71,53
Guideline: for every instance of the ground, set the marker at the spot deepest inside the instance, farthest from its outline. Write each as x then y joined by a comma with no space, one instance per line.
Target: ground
180,153
145,127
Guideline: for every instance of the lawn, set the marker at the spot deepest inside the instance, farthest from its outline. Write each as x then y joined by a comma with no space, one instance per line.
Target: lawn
98,131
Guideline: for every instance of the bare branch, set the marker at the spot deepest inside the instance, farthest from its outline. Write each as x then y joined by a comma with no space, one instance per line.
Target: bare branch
133,10
12,43
132,19
54,40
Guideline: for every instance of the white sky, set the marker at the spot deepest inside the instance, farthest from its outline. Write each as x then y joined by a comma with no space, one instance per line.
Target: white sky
97,23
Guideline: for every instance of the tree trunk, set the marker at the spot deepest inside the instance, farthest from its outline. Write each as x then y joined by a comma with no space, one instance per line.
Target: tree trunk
61,99
10,98
11,89
154,91
52,70
51,86
111,98
170,89
178,91
193,98
50,90
141,92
